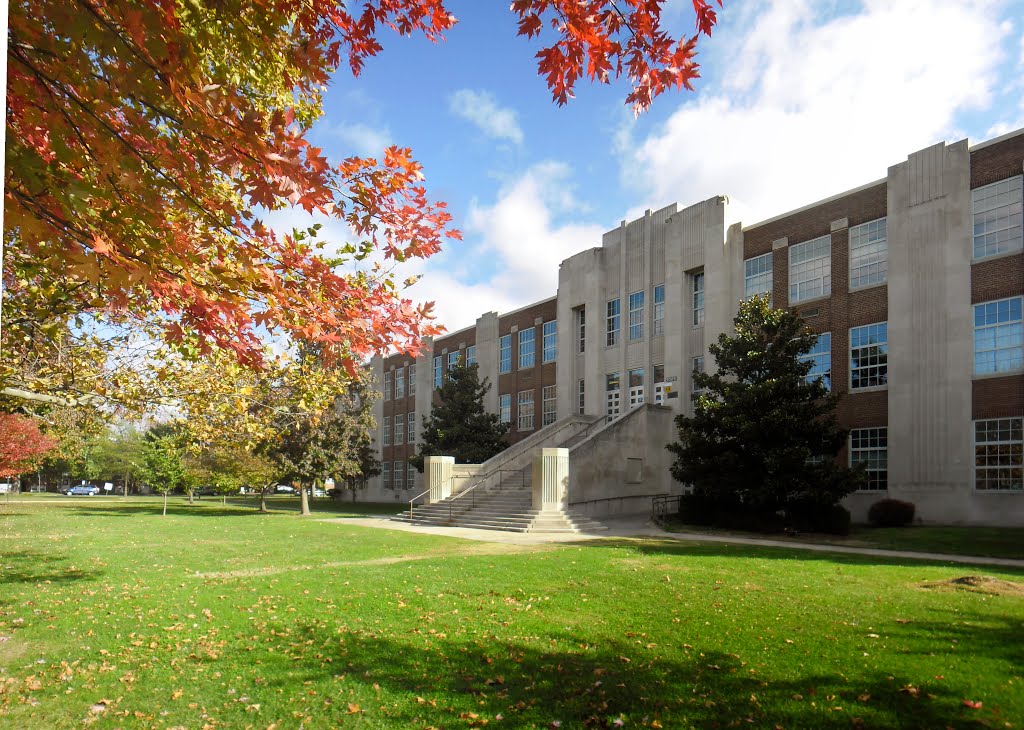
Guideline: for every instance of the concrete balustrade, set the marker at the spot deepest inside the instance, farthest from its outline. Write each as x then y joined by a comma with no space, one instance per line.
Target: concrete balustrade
439,471
550,479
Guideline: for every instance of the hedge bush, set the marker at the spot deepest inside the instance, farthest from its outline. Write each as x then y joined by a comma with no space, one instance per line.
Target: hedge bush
891,513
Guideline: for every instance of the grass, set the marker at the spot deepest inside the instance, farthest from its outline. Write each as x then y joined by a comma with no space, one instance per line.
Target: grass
217,617
986,542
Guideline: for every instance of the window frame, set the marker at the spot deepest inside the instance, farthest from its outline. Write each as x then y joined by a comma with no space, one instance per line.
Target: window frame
505,408
548,405
470,356
412,380
636,315
697,284
882,367
385,438
880,433
757,275
613,320
438,371
658,311
814,355
1014,185
1013,324
1013,453
410,429
398,432
525,411
385,474
879,248
549,341
399,382
824,272
505,354
397,474
387,385
527,348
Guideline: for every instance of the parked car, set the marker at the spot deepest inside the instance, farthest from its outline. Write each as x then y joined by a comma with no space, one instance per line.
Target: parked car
284,489
86,490
319,492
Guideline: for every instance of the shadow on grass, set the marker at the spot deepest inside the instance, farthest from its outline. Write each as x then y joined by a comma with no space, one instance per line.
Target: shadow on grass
669,546
446,682
36,567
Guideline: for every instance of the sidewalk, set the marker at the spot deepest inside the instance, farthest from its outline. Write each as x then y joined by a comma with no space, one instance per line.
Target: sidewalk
642,527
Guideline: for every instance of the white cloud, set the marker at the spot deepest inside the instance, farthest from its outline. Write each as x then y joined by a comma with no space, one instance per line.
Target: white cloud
812,107
481,108
362,139
519,238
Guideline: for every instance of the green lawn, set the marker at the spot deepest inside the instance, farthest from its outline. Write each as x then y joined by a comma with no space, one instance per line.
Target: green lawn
214,616
987,542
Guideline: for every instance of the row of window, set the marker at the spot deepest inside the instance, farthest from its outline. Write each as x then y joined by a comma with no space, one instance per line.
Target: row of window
392,477
405,429
998,346
528,347
637,318
996,210
998,454
525,408
399,379
443,364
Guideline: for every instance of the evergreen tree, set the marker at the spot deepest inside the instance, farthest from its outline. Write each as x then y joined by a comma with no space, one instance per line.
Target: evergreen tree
762,438
460,426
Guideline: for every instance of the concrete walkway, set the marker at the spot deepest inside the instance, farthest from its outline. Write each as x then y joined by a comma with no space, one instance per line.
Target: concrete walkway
643,527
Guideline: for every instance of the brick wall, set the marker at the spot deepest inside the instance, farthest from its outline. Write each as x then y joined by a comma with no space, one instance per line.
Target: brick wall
527,379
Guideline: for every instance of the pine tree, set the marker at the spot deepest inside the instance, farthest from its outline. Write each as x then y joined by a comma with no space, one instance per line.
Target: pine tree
762,438
460,426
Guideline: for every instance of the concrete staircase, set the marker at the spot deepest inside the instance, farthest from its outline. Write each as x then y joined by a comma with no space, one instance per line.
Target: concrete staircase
507,505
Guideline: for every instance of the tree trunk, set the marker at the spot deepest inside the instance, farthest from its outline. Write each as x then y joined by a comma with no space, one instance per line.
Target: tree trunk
303,500
165,504
191,495
263,500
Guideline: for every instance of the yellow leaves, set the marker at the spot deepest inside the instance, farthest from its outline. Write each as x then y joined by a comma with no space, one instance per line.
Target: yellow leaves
177,694
32,684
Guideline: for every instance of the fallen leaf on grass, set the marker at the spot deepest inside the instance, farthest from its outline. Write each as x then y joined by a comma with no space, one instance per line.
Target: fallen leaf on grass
972,704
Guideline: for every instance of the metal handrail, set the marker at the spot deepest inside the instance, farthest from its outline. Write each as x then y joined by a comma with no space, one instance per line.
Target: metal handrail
480,483
421,494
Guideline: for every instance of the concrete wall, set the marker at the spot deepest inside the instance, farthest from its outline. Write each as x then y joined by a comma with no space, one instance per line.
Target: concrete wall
602,479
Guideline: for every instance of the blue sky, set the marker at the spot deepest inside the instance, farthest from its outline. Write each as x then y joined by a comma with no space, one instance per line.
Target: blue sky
798,100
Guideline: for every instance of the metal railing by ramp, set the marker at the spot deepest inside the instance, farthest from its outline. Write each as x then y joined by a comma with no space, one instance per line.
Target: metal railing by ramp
664,505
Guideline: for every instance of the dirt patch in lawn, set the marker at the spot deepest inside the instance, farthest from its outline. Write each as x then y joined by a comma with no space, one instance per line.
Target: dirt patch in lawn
978,584
489,548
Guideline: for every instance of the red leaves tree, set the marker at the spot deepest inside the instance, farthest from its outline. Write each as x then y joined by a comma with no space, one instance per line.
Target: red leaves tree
144,137
22,446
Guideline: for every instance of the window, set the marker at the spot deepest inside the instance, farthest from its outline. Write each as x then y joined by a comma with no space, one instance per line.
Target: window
399,431
698,299
410,480
869,356
581,329
821,357
869,254
999,454
387,385
810,269
696,366
581,393
636,316
658,327
550,341
613,396
385,474
636,388
412,428
548,405
505,354
997,218
505,408
527,347
398,472
757,276
412,380
613,323
400,383
998,336
870,446
525,410
470,355
453,360
438,373
387,431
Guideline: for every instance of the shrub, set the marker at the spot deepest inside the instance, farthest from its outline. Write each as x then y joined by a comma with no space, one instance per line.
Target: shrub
832,520
891,513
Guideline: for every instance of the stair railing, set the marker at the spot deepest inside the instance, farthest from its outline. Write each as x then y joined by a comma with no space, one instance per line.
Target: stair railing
481,482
